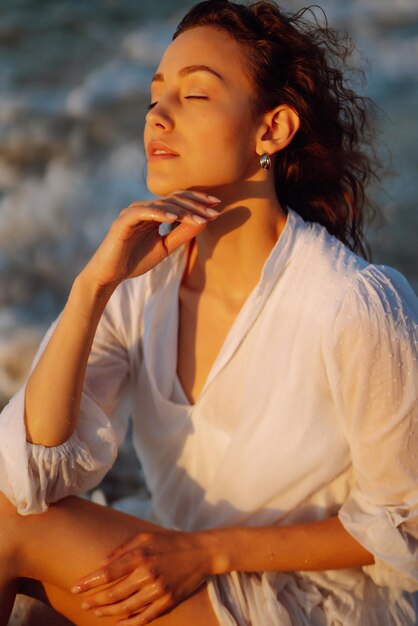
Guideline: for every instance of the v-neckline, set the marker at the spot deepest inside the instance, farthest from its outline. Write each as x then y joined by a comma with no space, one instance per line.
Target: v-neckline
215,367
180,391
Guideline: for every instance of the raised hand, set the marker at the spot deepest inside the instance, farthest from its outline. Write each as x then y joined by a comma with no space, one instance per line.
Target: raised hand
133,244
148,576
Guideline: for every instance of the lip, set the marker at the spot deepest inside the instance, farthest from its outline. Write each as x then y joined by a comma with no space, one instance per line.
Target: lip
153,146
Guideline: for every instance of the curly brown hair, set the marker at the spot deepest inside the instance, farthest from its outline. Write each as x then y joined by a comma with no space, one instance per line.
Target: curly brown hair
323,173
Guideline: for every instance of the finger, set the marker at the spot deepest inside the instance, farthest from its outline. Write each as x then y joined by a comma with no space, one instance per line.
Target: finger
122,549
119,592
188,208
132,603
133,216
95,579
139,580
202,204
143,217
119,568
180,235
157,608
192,202
138,542
198,198
175,210
194,193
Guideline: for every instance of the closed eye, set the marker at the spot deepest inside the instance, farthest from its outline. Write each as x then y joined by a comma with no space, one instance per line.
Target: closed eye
152,105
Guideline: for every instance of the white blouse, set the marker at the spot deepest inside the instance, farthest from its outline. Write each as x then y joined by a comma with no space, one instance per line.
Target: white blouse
310,410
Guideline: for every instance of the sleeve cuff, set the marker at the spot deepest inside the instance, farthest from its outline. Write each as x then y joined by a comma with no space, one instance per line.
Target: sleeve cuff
390,533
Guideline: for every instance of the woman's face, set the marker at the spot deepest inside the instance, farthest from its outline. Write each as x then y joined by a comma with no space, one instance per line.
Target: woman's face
200,132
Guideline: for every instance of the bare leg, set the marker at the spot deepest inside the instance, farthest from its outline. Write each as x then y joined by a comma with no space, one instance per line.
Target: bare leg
67,542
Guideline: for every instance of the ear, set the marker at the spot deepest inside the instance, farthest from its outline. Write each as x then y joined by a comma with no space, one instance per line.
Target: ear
277,129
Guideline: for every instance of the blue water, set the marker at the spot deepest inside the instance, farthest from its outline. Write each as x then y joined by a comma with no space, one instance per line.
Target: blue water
74,80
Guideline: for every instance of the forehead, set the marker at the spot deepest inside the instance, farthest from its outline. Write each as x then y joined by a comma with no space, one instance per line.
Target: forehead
206,45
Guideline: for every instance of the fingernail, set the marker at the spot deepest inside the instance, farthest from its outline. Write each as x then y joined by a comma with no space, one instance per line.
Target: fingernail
86,605
76,589
171,216
199,219
212,212
214,199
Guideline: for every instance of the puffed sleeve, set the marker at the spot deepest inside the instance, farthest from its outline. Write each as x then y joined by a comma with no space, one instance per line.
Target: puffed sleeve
371,357
33,476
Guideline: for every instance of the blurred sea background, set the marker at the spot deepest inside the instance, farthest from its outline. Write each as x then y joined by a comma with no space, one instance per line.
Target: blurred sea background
74,81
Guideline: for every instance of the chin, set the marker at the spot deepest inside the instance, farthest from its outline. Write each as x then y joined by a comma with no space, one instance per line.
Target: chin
162,187
161,184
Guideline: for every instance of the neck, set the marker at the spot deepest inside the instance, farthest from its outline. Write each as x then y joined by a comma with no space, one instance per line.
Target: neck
230,252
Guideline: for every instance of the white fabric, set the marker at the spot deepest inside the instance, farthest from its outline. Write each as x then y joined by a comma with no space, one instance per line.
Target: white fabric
309,410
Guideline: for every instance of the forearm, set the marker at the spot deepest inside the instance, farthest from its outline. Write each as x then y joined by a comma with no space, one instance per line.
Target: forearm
322,545
132,247
53,391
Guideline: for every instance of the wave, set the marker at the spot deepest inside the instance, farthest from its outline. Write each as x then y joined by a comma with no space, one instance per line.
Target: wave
72,103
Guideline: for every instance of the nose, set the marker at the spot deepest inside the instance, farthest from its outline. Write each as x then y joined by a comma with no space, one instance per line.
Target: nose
159,117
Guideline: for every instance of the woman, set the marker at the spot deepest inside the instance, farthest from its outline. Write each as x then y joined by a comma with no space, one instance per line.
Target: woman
270,370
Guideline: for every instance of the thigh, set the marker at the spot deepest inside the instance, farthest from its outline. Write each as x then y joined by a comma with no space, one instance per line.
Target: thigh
195,611
69,541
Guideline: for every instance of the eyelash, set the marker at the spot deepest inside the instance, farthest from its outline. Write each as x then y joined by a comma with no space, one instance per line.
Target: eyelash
152,105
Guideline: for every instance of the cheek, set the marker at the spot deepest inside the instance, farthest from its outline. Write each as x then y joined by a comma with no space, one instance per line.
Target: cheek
219,150
228,145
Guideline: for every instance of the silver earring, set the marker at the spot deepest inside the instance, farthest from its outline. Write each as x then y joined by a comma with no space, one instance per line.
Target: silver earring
265,161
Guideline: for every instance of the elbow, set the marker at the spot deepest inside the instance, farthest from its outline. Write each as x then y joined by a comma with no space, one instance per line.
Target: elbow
49,438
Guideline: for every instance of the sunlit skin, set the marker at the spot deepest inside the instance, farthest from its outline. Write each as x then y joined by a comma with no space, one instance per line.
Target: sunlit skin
186,106
188,103
158,575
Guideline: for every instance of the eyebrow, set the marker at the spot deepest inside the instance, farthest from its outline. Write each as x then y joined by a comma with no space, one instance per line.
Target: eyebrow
189,69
